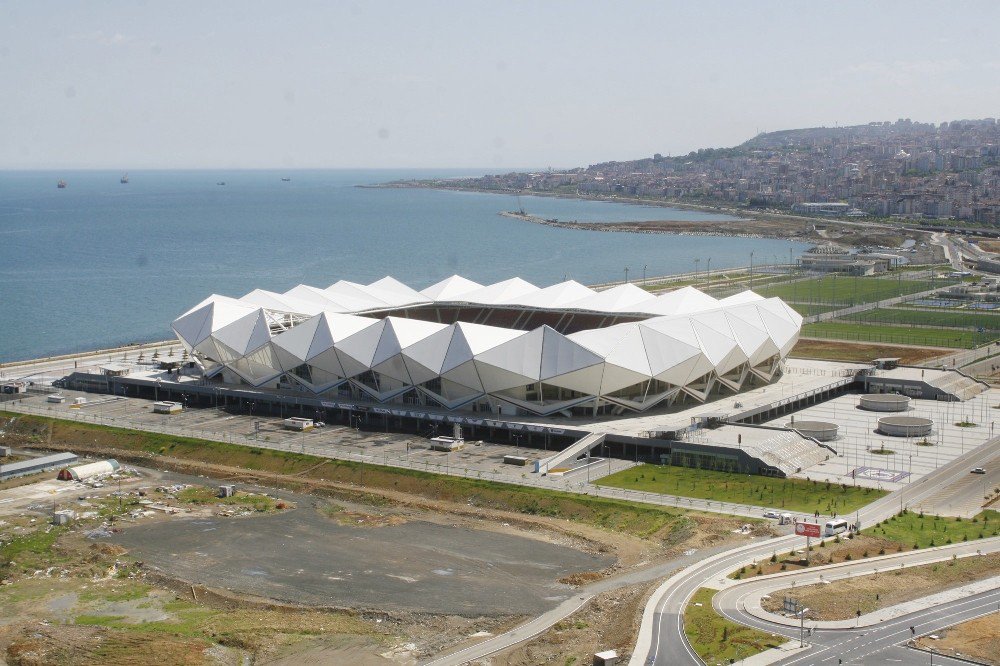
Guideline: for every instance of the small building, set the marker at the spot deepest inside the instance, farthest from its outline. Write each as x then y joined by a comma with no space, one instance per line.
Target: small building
115,369
167,407
227,490
4,451
443,443
90,470
13,388
35,465
515,460
298,423
56,398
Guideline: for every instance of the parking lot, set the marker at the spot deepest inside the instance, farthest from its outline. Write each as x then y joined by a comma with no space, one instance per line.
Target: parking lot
476,459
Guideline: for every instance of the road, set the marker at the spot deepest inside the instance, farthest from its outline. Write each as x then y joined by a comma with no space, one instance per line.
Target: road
883,644
60,366
661,637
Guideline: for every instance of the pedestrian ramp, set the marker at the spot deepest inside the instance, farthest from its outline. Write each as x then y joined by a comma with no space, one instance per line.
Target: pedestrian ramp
788,451
572,452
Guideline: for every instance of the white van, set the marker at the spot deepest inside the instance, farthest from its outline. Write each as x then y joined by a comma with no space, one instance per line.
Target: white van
834,527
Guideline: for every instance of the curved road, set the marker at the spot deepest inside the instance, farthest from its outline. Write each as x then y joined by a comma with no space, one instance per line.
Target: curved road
661,637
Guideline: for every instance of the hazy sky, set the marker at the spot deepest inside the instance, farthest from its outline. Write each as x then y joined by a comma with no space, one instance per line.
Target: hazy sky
497,85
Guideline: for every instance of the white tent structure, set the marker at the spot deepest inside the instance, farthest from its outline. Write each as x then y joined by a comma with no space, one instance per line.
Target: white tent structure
562,349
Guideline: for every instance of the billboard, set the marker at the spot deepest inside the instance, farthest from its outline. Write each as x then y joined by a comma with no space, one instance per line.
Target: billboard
807,529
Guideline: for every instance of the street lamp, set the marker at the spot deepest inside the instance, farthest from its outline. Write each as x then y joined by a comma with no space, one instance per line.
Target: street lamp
626,275
751,270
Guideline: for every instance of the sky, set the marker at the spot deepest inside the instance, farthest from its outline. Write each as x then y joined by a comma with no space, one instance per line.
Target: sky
464,83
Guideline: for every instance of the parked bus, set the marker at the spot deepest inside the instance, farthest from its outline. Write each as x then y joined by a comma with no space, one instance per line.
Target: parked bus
834,527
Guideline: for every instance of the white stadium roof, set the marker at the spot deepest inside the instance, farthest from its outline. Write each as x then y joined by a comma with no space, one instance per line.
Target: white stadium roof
374,341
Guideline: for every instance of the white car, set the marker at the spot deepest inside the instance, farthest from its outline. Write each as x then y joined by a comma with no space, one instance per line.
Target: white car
772,514
978,470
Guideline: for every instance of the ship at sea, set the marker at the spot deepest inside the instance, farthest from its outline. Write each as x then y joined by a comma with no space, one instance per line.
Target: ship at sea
285,180
61,184
124,179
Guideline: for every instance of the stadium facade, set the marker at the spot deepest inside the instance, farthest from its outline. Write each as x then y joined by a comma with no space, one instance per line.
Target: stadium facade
509,348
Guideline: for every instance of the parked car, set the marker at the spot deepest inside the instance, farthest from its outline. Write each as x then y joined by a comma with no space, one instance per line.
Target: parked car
772,514
978,470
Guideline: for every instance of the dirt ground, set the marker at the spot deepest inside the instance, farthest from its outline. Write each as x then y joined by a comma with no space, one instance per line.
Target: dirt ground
838,350
609,622
400,637
869,593
977,639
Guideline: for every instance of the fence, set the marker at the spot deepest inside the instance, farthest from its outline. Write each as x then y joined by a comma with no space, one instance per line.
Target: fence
526,479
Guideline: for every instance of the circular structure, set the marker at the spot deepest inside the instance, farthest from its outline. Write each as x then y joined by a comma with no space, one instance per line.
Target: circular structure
905,426
818,430
884,402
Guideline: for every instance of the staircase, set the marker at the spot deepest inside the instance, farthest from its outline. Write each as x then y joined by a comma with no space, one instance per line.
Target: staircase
959,386
576,449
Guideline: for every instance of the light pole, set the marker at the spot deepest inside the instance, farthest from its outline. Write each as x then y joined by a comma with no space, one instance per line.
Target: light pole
751,270
626,275
708,272
644,275
802,626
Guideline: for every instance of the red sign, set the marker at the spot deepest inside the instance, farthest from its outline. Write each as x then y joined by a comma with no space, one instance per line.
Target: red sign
807,529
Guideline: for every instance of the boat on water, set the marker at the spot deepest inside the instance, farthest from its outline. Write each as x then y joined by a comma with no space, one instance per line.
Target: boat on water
221,182
124,179
61,184
285,180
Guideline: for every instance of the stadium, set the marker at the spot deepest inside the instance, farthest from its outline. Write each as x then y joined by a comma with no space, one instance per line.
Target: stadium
506,349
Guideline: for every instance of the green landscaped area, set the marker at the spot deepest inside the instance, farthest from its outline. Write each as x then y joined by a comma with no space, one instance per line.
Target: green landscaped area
846,291
908,335
920,531
959,319
792,494
716,639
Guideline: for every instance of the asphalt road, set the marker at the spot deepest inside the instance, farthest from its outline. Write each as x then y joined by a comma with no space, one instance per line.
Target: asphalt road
661,638
883,644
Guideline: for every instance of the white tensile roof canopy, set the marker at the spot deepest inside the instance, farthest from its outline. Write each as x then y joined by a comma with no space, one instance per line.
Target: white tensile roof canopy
384,340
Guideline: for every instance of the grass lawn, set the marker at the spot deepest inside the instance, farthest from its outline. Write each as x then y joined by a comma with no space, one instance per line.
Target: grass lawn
843,290
791,494
905,335
716,639
956,318
202,495
915,530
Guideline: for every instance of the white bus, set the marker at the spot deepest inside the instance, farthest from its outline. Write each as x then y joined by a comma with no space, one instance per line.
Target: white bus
834,527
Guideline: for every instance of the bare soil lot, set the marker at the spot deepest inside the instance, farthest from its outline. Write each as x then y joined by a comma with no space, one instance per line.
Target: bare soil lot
305,557
977,639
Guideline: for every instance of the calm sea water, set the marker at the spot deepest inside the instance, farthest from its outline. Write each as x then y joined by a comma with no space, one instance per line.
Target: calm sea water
100,263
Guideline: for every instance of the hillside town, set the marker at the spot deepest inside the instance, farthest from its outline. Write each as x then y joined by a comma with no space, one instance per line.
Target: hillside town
902,169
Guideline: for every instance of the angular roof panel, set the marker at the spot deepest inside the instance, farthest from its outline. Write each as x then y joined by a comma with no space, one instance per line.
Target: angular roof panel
450,288
622,298
499,292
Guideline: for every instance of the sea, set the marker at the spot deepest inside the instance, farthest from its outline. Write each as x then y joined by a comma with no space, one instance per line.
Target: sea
100,263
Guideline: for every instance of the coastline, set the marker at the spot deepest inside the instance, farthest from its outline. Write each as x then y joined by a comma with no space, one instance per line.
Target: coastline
749,223
672,227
